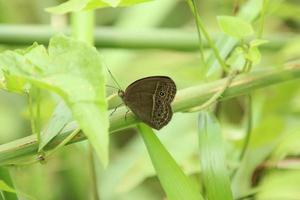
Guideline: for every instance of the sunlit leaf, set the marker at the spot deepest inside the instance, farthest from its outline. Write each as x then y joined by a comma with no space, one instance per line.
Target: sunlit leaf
61,116
5,187
212,158
77,5
235,26
73,70
173,180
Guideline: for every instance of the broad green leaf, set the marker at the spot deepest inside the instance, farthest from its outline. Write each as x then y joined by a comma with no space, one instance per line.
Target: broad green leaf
249,12
61,116
235,26
72,69
173,180
77,5
212,159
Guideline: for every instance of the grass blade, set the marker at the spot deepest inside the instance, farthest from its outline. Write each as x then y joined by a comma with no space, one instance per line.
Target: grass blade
173,180
214,171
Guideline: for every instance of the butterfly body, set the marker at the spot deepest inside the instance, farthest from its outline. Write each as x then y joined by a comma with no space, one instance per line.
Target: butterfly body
150,99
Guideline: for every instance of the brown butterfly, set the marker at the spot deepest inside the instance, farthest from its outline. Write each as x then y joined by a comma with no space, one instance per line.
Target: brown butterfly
150,99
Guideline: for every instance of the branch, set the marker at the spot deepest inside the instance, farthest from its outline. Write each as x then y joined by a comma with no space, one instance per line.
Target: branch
184,100
105,37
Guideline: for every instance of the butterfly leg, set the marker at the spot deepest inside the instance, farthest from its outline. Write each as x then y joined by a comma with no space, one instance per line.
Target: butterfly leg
126,114
115,109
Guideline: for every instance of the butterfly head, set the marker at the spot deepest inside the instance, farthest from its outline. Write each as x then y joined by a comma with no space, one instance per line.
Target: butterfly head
121,93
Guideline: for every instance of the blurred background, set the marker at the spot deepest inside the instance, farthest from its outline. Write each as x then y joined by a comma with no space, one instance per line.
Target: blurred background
130,175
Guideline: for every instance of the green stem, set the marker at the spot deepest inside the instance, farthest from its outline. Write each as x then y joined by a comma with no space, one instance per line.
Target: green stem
249,128
38,114
106,37
83,29
64,142
217,95
210,42
31,113
185,99
83,26
194,9
262,18
93,174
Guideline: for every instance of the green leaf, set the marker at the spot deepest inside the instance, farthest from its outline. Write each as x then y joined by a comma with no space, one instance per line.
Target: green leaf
6,179
212,158
249,12
61,116
253,55
235,26
72,69
173,180
78,5
5,187
258,42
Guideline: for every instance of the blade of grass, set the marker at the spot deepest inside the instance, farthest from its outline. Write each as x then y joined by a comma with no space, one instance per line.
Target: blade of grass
173,180
213,167
6,178
5,187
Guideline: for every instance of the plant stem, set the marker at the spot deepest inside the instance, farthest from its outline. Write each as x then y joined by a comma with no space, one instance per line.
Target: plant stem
210,42
262,18
193,7
217,95
31,113
82,24
83,29
105,37
93,174
249,128
185,99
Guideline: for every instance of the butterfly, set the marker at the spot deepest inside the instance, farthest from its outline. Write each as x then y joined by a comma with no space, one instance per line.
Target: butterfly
150,99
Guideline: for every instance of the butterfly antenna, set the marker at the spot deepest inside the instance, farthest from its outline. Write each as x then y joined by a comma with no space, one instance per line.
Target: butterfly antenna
112,76
112,86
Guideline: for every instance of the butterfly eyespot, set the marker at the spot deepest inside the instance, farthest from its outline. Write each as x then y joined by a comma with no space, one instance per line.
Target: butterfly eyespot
162,94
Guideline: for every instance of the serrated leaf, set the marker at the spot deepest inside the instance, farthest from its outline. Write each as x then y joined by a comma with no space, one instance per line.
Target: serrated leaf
235,26
212,159
173,180
72,69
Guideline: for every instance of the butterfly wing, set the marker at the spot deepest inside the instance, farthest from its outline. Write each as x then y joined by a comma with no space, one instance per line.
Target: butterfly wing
149,98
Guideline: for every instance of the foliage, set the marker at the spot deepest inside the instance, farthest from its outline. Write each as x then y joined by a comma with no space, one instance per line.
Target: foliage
191,157
80,82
